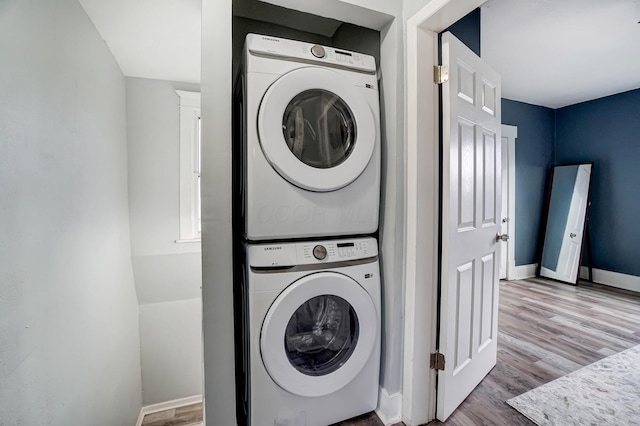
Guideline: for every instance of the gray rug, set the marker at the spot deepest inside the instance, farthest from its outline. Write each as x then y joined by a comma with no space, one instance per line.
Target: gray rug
606,392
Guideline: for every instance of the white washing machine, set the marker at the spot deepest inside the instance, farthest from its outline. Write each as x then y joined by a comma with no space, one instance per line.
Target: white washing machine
312,351
311,126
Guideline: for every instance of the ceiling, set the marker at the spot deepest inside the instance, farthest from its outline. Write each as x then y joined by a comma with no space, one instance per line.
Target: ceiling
561,52
150,38
161,39
549,52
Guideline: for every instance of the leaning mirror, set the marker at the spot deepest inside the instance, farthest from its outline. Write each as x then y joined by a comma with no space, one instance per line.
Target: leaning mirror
565,221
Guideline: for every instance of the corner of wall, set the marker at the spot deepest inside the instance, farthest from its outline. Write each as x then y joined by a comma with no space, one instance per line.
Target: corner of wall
389,408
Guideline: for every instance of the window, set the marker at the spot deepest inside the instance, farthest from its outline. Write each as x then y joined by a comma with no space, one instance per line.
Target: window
189,166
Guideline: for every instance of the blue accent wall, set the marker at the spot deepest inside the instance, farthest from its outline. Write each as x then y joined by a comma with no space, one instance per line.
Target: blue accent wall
564,182
607,132
467,30
534,157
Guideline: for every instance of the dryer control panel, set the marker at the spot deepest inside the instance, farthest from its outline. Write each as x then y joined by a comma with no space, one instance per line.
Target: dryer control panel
311,253
280,47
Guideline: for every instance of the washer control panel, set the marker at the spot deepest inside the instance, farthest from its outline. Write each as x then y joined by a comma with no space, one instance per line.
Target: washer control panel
310,253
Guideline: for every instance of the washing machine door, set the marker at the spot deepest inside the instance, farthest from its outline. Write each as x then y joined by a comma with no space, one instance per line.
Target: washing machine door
316,130
318,334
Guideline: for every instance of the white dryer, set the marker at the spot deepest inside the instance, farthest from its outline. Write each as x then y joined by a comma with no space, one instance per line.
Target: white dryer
313,319
311,126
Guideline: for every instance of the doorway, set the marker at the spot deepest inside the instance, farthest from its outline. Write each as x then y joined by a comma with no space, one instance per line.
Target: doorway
507,255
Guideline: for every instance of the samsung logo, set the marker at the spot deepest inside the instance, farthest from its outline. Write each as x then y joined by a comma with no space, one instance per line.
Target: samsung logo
271,39
273,248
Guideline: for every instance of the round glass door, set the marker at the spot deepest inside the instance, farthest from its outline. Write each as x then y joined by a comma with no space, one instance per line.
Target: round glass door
319,128
321,335
316,130
318,334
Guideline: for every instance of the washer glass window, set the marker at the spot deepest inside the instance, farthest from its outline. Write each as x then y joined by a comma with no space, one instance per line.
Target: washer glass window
319,128
321,335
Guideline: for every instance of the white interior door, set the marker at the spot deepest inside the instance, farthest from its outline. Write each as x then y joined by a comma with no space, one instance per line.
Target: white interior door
471,215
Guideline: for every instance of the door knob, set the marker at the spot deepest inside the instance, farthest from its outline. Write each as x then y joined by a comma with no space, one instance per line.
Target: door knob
572,235
502,237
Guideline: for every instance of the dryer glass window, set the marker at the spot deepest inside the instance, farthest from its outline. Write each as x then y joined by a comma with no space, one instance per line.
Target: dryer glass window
319,128
321,335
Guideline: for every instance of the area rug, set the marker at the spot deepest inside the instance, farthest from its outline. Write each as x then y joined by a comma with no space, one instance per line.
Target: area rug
606,392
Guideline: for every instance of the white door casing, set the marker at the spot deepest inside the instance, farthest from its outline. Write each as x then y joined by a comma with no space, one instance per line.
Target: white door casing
281,158
504,215
422,198
471,207
507,252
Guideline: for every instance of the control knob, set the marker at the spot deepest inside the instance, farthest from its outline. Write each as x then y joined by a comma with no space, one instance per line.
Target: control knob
318,51
319,252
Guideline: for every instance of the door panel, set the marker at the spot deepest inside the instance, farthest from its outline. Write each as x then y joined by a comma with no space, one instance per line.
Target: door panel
472,182
489,194
487,303
466,173
464,308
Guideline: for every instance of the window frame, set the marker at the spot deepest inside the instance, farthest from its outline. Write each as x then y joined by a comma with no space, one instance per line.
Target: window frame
190,149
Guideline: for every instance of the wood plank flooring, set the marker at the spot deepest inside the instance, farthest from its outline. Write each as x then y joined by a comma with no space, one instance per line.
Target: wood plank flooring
546,329
182,416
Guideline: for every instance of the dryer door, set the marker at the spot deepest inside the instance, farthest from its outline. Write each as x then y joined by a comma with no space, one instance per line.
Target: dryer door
316,130
318,334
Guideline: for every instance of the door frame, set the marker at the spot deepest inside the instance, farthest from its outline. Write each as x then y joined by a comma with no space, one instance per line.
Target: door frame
511,133
422,195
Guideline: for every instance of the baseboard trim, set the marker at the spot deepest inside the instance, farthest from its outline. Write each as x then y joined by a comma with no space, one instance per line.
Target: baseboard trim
389,407
521,272
167,405
613,279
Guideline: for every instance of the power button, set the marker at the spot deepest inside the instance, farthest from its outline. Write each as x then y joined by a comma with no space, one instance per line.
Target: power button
319,252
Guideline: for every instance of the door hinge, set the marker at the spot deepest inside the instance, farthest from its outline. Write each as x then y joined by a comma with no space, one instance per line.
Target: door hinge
440,74
437,361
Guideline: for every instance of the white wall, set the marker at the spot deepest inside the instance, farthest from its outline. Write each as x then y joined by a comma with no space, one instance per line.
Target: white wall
171,350
393,204
69,340
167,274
217,266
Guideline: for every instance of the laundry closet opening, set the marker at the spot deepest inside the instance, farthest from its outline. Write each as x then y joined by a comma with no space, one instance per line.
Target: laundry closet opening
312,133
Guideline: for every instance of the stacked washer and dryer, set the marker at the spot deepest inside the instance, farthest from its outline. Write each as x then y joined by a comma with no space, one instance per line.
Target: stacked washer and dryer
307,179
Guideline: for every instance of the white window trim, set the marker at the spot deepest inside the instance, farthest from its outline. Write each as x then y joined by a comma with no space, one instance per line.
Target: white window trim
189,166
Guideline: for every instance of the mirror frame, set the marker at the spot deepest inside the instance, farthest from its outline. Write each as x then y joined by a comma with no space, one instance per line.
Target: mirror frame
545,216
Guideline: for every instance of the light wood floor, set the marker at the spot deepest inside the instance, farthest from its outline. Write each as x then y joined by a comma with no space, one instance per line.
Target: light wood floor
546,330
183,416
